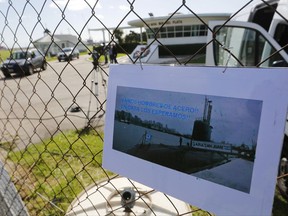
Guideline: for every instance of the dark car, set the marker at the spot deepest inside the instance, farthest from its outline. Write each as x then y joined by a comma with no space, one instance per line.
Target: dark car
68,54
24,62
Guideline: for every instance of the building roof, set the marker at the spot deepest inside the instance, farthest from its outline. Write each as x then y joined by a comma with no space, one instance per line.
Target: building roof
177,16
57,38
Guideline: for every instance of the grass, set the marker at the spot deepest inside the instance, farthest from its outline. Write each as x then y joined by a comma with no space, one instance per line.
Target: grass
280,205
4,54
57,169
7,146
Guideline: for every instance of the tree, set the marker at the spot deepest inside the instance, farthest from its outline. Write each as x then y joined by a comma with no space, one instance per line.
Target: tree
118,35
132,37
144,37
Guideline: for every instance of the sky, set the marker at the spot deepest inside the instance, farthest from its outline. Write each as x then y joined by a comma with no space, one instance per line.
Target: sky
23,21
234,120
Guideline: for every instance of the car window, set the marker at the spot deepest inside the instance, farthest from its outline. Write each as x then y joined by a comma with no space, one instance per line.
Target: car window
248,47
67,50
29,55
18,55
281,35
38,53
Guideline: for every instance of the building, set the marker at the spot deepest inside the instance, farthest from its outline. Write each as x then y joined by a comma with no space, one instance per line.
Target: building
182,34
52,44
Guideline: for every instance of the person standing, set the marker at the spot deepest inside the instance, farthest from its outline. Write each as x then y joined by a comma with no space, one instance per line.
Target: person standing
114,54
95,57
105,53
111,54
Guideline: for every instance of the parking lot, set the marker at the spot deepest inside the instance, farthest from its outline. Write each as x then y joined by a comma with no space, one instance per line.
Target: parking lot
37,106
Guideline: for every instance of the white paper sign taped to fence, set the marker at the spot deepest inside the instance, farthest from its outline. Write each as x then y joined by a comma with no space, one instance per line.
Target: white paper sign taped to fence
209,138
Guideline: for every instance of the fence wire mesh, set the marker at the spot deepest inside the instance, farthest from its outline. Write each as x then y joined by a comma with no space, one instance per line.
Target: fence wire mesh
52,118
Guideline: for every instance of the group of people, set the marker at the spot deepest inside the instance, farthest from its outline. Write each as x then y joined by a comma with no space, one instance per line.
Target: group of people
112,52
106,51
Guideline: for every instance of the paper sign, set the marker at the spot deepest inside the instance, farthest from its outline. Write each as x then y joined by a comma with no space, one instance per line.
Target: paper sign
198,134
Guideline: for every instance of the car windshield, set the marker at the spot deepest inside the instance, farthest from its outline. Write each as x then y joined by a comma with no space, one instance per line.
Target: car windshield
67,50
19,55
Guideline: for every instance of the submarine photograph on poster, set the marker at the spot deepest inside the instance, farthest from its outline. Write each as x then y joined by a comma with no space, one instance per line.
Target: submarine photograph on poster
201,135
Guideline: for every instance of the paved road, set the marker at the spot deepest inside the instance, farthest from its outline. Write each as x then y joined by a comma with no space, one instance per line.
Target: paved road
36,107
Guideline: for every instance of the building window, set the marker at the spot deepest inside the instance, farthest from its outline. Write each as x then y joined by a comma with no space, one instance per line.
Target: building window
203,30
150,34
195,30
171,32
177,31
187,31
163,32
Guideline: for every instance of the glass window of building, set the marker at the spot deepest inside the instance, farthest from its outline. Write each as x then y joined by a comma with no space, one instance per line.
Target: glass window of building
163,32
149,33
202,30
171,32
179,31
187,31
195,30
156,34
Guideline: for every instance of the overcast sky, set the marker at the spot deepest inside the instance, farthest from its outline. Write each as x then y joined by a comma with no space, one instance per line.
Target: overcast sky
233,120
78,15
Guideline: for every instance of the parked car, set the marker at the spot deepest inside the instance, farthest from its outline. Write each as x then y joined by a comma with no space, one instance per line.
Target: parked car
24,62
68,54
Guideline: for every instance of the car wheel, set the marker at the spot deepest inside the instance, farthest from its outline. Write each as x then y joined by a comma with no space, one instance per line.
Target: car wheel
29,70
6,74
44,66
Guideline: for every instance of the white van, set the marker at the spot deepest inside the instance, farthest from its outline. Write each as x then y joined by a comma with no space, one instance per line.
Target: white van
257,36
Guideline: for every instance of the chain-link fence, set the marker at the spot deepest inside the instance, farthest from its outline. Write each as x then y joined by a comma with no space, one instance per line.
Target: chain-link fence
53,109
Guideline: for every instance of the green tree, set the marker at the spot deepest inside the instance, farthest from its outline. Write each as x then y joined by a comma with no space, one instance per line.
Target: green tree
117,33
132,37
